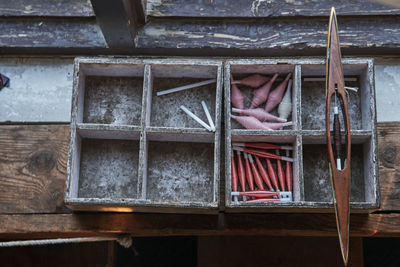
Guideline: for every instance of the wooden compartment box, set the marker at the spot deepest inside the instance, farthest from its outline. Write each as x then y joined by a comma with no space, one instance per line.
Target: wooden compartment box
131,150
311,183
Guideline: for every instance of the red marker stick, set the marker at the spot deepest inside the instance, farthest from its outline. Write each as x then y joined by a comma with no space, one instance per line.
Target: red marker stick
281,173
262,154
264,200
256,194
234,174
256,175
249,175
241,173
272,174
289,174
263,173
264,146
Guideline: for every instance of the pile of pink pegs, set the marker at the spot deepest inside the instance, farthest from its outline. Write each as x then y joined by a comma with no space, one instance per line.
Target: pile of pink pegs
278,100
261,182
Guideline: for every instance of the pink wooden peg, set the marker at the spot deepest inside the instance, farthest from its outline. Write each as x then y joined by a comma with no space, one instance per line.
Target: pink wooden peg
275,97
250,122
261,94
249,174
253,81
258,113
237,98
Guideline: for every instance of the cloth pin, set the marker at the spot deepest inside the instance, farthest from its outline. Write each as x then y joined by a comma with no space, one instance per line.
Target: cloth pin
237,98
253,81
275,97
289,174
277,125
264,146
188,112
264,200
250,123
249,174
281,173
210,121
234,176
185,87
263,173
258,113
256,174
261,94
285,107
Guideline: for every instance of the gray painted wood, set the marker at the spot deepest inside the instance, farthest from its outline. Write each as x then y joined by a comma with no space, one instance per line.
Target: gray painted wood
48,8
311,186
387,83
50,33
40,89
282,36
175,167
260,8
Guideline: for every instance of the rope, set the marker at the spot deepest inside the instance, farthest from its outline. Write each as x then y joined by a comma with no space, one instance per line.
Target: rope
125,241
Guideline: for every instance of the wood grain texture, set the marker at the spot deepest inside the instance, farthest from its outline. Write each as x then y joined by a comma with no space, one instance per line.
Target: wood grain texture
33,162
280,35
147,224
389,165
48,8
57,33
258,8
238,251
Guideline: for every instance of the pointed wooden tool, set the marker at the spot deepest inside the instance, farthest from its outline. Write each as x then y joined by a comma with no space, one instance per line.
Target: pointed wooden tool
340,177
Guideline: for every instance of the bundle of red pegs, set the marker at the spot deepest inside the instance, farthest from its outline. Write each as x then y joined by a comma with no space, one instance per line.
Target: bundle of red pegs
259,182
277,100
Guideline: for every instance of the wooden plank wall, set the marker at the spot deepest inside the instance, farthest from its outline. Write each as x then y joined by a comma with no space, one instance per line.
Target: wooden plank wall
203,28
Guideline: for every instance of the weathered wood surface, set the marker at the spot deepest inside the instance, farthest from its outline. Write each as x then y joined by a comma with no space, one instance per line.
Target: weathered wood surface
228,37
260,8
148,224
32,180
237,251
57,33
280,36
33,161
389,165
48,8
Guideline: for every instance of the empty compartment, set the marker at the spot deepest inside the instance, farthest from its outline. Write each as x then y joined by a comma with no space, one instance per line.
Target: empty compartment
240,72
313,97
180,172
248,141
165,109
317,184
111,94
108,168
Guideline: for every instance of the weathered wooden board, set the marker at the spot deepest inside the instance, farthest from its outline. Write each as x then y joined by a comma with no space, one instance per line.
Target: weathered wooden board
260,8
48,8
148,224
40,89
237,251
389,165
55,33
270,36
33,161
